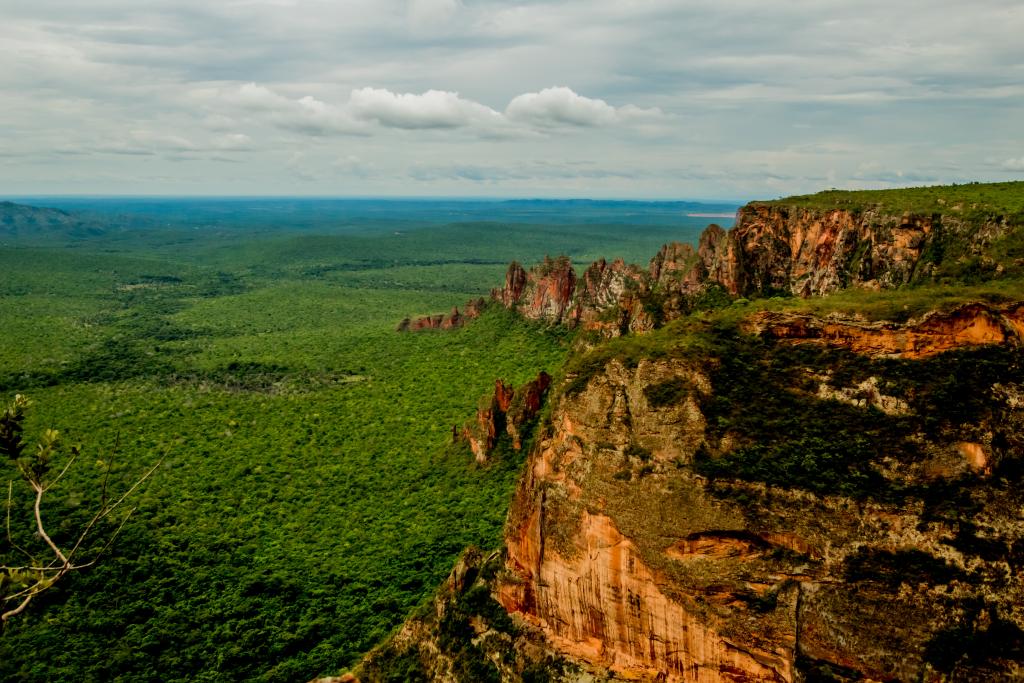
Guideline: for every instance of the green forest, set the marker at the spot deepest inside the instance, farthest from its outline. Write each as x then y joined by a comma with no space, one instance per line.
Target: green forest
309,494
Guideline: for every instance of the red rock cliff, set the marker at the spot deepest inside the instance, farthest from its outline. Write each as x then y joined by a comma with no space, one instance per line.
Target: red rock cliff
776,248
624,559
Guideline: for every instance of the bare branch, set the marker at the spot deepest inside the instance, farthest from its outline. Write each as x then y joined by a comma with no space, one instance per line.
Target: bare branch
19,609
106,510
32,591
42,531
10,538
71,461
110,542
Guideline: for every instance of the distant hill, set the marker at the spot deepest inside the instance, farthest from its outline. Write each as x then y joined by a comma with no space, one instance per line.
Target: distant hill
20,220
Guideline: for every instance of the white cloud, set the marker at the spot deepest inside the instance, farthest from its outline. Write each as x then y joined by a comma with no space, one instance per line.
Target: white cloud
258,98
153,140
306,115
561,106
432,109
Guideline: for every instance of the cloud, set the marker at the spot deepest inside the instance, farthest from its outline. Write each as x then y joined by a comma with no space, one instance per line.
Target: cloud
432,109
494,174
152,140
1014,164
560,106
306,115
526,114
734,91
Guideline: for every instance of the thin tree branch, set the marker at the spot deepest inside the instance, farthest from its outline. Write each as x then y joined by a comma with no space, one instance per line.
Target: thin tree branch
71,461
17,610
104,511
39,526
10,538
42,577
110,542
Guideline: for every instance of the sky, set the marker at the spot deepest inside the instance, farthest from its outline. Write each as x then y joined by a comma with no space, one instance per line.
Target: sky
686,99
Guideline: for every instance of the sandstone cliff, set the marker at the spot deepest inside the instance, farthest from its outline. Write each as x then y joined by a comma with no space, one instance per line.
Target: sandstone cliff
775,248
507,410
789,503
777,496
645,539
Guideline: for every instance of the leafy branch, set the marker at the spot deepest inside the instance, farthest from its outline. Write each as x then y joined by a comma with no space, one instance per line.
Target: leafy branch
20,584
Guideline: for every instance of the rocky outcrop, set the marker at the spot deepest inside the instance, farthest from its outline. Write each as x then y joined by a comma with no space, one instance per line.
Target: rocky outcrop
975,324
594,590
546,292
676,264
801,251
505,411
610,297
786,498
463,634
472,309
775,248
627,559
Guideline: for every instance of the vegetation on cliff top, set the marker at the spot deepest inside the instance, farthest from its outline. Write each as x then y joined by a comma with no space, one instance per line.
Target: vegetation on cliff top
969,200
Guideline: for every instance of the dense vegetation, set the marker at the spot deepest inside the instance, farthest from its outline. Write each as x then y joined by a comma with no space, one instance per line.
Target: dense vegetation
310,496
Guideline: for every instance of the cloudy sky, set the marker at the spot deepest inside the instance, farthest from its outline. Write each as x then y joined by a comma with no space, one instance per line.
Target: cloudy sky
582,98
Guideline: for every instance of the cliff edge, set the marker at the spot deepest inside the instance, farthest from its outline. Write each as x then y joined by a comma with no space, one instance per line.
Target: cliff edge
787,490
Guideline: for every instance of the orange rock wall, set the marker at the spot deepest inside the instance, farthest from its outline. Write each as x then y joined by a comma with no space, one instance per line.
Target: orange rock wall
969,325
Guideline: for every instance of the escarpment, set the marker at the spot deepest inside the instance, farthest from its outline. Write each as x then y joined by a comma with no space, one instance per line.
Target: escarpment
755,495
761,510
773,249
660,533
777,248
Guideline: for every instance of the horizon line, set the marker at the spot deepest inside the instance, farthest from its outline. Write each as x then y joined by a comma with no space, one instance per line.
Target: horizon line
460,198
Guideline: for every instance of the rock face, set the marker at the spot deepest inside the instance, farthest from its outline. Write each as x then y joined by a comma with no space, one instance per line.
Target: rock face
974,324
505,411
785,497
781,249
546,292
609,296
593,590
773,249
627,559
804,252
